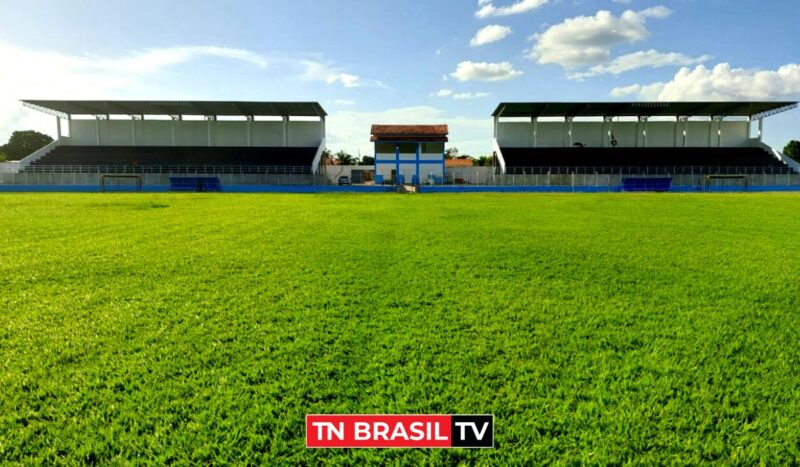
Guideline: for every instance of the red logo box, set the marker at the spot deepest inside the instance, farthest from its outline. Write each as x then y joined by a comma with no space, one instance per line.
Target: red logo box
399,431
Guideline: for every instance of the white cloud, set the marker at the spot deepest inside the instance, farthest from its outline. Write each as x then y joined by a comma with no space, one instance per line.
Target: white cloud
487,8
649,92
483,71
52,75
141,74
468,96
722,82
489,34
642,59
349,130
347,80
461,96
149,61
318,71
588,40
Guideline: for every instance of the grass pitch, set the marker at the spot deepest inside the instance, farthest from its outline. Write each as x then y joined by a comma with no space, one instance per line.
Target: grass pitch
203,328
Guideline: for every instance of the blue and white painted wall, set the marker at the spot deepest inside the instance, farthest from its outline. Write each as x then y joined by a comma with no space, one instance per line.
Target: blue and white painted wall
412,161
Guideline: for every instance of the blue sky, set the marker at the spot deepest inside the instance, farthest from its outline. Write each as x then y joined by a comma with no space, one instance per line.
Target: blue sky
381,61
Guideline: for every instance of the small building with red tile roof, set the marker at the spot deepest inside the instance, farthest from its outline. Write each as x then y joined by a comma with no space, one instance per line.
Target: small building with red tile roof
409,153
452,163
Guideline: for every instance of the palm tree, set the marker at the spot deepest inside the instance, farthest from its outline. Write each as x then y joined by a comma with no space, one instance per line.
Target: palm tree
345,159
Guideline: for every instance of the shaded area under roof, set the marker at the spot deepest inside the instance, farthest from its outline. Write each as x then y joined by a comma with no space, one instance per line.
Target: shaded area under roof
642,109
409,132
65,108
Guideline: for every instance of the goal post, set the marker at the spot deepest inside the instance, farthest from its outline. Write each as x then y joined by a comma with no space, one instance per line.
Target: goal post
120,183
725,181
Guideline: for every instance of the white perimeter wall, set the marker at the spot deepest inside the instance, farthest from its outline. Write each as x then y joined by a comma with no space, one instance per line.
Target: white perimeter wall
192,133
594,134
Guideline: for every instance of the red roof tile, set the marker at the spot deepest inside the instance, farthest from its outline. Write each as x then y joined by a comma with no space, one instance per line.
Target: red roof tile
409,130
458,162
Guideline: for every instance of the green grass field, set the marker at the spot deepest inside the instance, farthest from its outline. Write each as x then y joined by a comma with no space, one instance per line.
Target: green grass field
203,328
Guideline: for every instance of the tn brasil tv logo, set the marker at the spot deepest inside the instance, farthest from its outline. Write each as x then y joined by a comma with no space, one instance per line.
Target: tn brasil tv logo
400,431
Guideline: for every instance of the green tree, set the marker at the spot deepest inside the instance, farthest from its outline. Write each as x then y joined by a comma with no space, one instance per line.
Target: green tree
484,161
345,159
792,149
451,153
24,143
367,160
3,156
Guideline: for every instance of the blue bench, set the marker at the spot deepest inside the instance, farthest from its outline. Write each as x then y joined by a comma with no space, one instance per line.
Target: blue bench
194,184
646,184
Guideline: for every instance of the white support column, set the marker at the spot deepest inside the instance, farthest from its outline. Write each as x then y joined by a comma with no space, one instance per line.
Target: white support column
175,120
611,136
58,128
494,126
644,132
710,130
571,119
566,136
250,119
323,128
719,132
760,130
685,130
636,132
133,130
97,128
285,131
603,133
535,132
210,119
675,133
530,134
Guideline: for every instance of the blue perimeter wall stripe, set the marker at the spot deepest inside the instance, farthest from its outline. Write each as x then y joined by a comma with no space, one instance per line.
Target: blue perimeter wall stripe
387,189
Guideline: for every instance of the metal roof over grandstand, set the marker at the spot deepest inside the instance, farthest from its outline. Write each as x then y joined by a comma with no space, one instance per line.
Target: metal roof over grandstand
642,109
65,108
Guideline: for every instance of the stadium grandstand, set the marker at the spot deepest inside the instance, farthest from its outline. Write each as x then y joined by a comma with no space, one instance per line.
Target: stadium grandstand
637,138
181,137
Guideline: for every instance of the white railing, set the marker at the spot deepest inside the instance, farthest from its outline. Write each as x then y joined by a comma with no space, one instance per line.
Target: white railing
9,167
38,154
500,159
779,155
318,157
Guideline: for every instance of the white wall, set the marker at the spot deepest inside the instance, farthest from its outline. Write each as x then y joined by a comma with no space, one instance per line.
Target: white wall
594,134
193,133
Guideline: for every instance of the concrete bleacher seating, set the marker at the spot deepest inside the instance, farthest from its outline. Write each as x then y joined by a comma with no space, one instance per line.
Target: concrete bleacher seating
643,160
145,159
